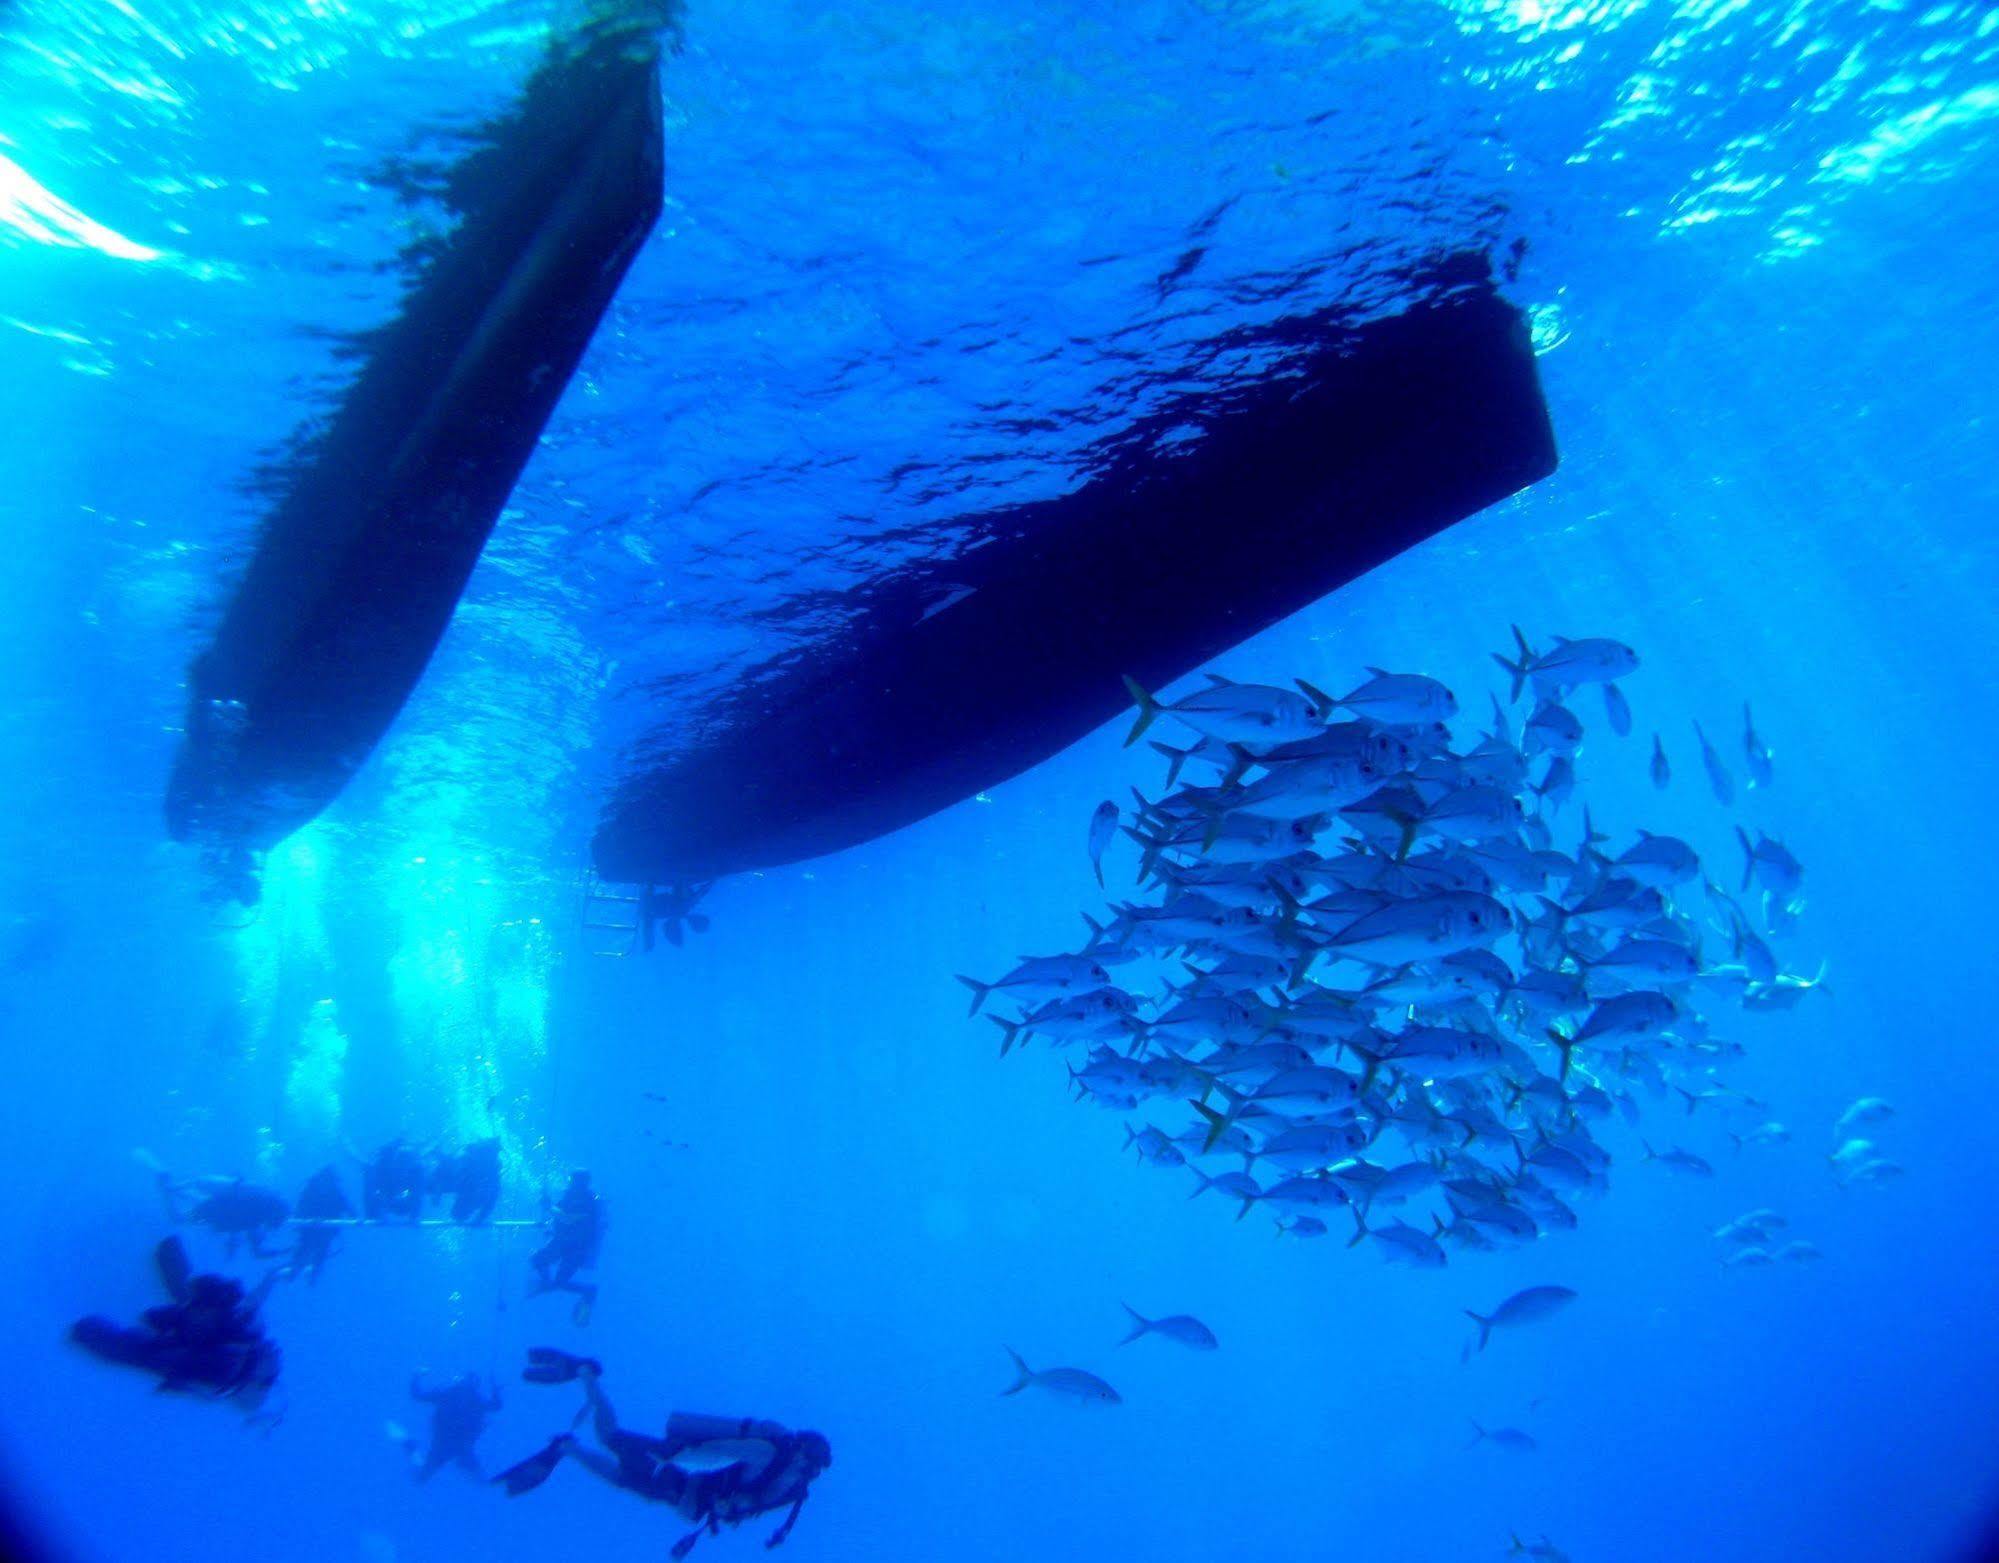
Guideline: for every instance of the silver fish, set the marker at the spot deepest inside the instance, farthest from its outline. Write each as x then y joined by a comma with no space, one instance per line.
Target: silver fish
1103,827
1230,713
1064,1383
1531,1306
1717,773
1567,663
1181,1327
1617,710
1761,769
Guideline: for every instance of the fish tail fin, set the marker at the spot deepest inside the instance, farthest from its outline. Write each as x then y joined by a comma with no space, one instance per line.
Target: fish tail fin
1010,1030
1217,1124
1140,1324
1026,1374
1735,1137
1478,1434
1247,1204
1240,760
1748,857
1517,671
1175,758
1148,710
979,992
1323,704
1360,1228
1148,858
1484,1327
1130,1134
1216,813
1650,1154
1568,1047
1693,1101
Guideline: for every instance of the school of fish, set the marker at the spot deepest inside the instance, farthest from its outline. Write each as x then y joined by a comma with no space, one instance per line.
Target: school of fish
1381,979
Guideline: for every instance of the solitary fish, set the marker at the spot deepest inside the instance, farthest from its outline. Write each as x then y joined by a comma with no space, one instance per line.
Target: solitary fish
1717,774
1511,1439
1068,1383
1181,1327
1617,709
1393,699
1756,749
1869,1109
1230,713
1103,826
1771,862
1678,1160
1552,729
1570,663
1662,773
1879,1170
1850,1155
1528,1307
1041,976
1771,1133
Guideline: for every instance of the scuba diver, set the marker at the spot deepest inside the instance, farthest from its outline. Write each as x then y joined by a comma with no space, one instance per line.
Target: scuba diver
472,1179
392,1182
575,1225
206,1340
458,1415
322,1199
228,1206
712,1471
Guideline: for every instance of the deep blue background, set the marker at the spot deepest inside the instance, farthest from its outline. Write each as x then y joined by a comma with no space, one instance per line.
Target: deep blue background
1758,246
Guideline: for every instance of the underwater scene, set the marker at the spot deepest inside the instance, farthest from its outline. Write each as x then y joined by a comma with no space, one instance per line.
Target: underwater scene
1199,780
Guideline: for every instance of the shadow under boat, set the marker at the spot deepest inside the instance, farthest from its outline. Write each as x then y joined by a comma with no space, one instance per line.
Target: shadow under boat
358,567
1366,441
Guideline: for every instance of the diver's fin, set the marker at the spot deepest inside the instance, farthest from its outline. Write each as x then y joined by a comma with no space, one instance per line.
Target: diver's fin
536,1468
549,1365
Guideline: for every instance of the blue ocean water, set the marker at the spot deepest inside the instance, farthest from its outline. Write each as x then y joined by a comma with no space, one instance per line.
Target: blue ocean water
913,261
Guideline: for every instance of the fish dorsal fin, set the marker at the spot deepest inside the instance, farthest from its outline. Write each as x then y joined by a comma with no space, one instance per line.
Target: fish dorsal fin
1215,680
1378,672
